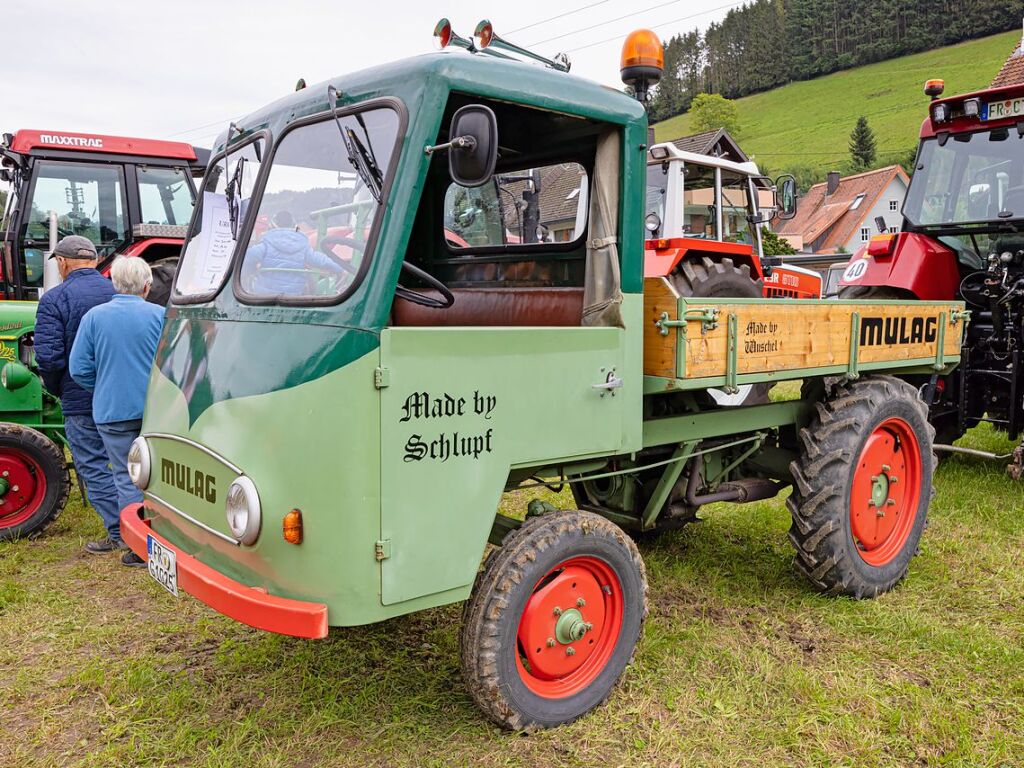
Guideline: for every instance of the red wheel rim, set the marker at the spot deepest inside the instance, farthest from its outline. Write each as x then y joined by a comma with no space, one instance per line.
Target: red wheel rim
22,487
886,492
569,627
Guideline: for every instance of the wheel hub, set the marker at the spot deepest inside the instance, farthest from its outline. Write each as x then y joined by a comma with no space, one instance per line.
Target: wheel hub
21,487
571,627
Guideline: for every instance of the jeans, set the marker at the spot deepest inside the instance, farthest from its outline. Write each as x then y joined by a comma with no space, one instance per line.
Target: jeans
117,438
93,465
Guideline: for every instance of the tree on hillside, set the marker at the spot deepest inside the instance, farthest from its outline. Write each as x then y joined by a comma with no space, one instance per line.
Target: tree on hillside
862,145
711,111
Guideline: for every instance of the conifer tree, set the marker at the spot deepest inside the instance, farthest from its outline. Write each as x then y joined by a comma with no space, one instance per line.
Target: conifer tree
862,145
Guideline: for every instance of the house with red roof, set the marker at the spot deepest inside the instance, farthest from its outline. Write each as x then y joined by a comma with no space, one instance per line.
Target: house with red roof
843,213
1012,72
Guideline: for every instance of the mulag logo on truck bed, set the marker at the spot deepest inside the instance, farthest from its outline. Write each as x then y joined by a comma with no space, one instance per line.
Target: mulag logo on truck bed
876,331
189,480
82,142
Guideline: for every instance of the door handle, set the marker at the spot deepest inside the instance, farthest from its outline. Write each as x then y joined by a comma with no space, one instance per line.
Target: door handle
610,384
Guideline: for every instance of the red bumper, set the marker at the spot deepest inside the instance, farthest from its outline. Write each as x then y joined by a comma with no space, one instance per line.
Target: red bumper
249,605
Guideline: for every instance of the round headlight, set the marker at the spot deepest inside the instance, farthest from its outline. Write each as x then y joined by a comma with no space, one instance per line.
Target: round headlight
652,223
242,509
139,463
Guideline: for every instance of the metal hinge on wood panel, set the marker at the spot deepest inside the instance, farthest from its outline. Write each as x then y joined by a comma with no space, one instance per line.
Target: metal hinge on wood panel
381,378
382,549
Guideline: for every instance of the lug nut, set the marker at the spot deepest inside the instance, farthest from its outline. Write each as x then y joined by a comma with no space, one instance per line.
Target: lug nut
886,468
893,480
551,642
880,513
570,651
581,602
557,611
891,502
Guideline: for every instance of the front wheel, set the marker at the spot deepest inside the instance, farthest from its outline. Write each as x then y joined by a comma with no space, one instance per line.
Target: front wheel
862,487
34,481
553,620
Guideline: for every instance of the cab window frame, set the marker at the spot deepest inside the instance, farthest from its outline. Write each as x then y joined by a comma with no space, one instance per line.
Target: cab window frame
178,299
369,254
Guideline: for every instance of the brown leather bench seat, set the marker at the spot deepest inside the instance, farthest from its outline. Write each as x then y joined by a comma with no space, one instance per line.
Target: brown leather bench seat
496,307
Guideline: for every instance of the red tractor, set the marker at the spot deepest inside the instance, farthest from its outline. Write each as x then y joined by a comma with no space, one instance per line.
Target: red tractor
963,238
131,197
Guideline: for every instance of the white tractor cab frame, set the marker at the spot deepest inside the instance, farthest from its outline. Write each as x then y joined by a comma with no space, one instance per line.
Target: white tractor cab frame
703,207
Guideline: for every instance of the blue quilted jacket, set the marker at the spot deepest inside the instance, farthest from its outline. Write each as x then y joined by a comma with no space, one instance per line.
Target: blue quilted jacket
61,309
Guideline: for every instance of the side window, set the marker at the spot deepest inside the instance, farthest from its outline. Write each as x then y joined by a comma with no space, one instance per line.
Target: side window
530,207
736,208
320,207
164,195
220,214
699,202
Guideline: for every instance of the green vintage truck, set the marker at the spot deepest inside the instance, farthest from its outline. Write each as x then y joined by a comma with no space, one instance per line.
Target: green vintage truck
413,288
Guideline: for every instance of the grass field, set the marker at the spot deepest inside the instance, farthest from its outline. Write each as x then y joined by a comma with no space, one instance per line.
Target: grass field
741,663
807,124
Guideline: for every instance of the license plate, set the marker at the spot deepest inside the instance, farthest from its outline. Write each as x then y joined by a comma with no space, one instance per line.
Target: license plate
163,565
998,110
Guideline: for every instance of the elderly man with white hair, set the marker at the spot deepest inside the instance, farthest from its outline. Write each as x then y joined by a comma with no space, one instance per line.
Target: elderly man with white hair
111,357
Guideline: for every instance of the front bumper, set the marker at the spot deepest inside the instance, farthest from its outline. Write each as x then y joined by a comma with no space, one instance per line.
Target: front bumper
249,605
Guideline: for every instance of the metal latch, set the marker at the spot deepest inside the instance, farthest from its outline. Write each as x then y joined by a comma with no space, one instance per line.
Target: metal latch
382,549
959,314
381,377
610,384
708,319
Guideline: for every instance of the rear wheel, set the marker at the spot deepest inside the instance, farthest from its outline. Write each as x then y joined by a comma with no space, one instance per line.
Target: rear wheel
34,481
163,278
553,620
862,487
707,279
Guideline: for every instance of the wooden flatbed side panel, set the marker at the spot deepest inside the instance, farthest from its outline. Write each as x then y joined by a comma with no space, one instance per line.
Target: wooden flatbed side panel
659,351
775,336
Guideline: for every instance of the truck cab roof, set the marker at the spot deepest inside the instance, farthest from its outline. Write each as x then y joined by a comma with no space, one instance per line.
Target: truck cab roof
44,142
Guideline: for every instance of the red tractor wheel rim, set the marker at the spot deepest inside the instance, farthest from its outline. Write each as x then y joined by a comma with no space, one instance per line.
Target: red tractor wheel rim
22,487
569,627
886,492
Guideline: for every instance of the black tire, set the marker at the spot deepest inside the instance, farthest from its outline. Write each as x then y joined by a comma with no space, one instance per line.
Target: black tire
38,450
874,293
490,649
163,280
707,279
834,454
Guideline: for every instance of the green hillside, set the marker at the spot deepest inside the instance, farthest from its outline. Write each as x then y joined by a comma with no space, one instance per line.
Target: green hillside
804,127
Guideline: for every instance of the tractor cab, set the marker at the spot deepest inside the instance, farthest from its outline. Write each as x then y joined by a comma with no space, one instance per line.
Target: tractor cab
128,196
700,207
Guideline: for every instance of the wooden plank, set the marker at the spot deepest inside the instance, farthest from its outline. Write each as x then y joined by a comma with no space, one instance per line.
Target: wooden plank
776,336
659,350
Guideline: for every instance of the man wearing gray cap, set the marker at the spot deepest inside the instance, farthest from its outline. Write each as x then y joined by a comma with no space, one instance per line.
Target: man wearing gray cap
60,312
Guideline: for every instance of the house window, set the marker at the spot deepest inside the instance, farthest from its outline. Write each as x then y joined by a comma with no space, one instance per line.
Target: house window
894,205
865,234
893,230
856,202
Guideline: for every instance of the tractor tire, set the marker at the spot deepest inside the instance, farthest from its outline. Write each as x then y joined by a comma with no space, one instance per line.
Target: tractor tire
553,620
873,293
163,280
34,479
709,279
862,487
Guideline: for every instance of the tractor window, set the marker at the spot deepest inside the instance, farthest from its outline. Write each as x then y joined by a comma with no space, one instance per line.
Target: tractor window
207,255
533,206
87,199
736,208
699,218
165,196
320,207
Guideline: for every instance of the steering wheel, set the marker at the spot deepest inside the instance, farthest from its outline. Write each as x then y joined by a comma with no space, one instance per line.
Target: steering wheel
330,241
446,300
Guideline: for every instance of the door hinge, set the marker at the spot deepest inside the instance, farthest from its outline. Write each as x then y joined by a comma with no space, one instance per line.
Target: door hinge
382,549
381,378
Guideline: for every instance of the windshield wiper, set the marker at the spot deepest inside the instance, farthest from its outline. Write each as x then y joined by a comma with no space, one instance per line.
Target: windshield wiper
233,183
362,160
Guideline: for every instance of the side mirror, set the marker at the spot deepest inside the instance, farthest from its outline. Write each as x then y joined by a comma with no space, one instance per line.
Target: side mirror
786,196
6,174
473,150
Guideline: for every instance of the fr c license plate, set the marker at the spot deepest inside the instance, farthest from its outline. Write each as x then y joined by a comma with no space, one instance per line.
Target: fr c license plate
999,110
163,565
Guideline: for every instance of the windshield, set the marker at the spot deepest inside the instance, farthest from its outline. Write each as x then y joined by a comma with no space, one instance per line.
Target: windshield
207,255
320,206
968,179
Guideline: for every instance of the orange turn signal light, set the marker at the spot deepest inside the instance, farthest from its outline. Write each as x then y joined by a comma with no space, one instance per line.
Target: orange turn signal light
291,527
642,49
882,245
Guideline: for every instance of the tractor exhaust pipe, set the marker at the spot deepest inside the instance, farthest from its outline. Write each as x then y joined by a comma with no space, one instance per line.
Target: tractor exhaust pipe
51,273
737,491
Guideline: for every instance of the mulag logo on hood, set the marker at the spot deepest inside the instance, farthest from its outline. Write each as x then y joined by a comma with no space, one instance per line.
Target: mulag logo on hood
71,141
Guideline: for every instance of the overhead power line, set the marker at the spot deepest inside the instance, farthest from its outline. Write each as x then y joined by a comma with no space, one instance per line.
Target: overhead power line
559,16
605,23
655,26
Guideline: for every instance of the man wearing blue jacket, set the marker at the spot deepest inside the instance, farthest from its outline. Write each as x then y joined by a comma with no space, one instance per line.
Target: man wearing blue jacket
58,316
111,358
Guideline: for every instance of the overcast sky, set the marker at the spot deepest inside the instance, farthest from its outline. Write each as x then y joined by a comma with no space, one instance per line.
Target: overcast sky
181,69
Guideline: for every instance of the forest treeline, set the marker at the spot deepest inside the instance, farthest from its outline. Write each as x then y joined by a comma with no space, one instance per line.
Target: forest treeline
767,43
